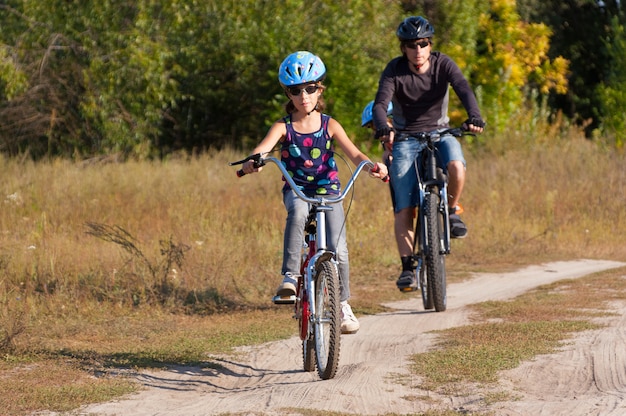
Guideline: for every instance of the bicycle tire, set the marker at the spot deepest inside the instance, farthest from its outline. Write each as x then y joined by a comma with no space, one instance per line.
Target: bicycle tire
327,320
435,259
420,262
427,296
308,354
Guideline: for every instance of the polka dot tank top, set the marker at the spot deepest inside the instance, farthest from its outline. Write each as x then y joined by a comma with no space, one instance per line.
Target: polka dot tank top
310,160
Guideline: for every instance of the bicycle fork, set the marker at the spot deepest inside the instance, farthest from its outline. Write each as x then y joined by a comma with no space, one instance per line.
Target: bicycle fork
318,244
445,213
311,273
420,240
437,181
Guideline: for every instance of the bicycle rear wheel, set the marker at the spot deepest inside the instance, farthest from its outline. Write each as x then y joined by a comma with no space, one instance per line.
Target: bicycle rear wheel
435,259
308,354
327,320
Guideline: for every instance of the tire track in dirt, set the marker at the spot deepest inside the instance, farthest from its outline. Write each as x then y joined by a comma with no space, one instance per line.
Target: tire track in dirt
588,377
373,376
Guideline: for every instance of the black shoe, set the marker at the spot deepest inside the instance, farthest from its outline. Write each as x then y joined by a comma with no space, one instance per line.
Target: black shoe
407,282
457,227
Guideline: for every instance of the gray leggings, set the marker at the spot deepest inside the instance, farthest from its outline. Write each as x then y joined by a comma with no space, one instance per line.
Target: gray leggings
297,213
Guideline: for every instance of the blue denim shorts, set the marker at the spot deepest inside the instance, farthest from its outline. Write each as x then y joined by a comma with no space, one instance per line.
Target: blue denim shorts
403,174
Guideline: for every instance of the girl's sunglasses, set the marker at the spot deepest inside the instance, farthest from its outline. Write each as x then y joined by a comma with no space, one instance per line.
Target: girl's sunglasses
413,45
295,91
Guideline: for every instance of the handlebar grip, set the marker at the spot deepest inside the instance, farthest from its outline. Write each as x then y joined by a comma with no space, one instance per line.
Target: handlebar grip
256,158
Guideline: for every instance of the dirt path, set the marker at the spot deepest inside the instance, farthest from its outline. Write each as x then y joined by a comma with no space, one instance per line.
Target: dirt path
587,378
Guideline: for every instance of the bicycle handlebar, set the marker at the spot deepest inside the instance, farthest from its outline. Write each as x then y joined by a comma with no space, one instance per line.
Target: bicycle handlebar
259,161
435,134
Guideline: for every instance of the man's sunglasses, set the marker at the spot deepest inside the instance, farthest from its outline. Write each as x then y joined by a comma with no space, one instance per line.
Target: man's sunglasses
413,45
295,91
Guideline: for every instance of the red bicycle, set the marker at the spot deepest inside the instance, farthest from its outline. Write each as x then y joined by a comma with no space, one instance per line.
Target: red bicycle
317,300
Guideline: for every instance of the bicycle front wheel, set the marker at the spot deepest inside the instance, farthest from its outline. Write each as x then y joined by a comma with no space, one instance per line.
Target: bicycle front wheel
427,296
435,259
327,320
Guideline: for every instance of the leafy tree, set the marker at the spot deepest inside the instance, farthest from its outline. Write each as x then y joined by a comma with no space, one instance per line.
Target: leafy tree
39,68
81,77
230,88
612,91
93,76
513,62
583,33
131,74
146,78
504,58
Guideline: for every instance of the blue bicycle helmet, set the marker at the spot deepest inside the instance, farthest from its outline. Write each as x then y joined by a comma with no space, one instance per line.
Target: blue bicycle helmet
415,27
301,67
367,115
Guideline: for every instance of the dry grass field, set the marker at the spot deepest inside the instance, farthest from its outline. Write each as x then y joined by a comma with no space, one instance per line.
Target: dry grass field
106,265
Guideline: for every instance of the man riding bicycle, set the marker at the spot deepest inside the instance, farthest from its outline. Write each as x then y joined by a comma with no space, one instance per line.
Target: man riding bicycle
417,84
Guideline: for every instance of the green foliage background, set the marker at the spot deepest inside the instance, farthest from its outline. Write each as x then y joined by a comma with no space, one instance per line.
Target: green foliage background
80,78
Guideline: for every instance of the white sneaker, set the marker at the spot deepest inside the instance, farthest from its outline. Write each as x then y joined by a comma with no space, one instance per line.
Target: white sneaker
349,323
288,286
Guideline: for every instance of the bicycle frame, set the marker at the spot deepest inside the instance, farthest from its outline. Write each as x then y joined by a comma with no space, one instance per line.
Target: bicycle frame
431,178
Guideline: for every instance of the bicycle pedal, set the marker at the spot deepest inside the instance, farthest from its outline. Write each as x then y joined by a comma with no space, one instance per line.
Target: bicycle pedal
408,288
284,300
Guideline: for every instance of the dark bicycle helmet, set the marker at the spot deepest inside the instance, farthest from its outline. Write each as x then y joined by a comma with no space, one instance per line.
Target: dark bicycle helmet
299,68
415,27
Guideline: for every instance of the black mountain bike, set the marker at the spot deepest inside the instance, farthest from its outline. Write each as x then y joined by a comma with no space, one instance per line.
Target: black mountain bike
432,226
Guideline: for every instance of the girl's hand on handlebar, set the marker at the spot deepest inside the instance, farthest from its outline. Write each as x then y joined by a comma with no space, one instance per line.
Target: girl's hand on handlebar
380,171
249,167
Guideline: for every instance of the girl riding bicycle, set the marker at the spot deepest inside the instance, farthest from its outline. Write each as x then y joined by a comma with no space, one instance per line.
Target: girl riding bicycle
307,138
